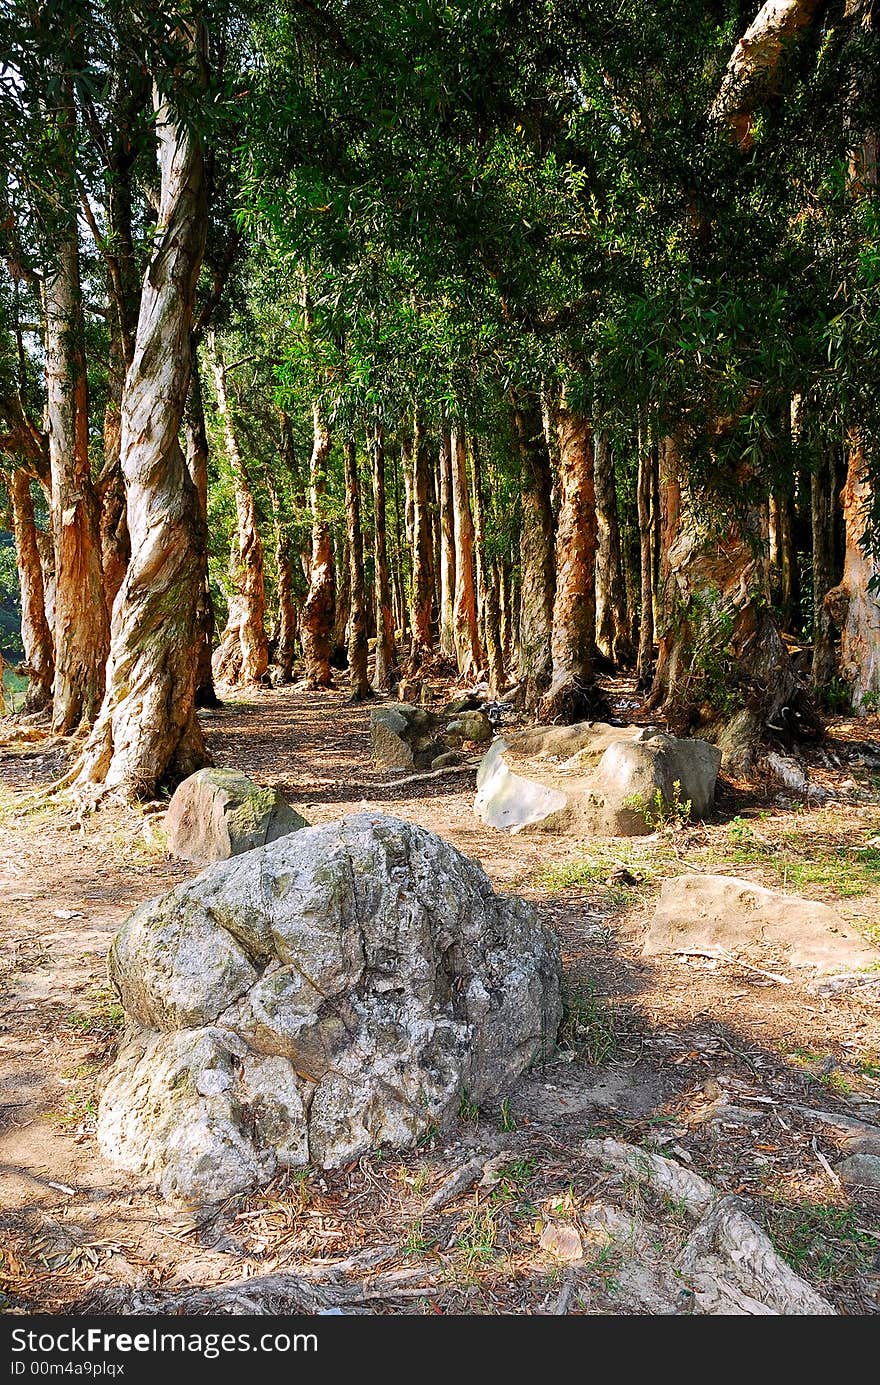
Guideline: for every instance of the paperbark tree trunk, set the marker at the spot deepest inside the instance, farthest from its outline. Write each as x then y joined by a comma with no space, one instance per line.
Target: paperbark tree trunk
755,62
447,550
487,581
854,605
613,636
316,622
422,583
357,622
464,615
644,492
197,456
81,622
147,731
537,565
36,635
243,654
571,696
384,615
283,640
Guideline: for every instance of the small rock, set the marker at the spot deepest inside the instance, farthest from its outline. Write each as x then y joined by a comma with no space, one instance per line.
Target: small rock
562,1241
446,760
470,726
860,1170
219,813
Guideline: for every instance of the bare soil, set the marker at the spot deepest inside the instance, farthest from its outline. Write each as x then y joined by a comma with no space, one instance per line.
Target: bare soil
648,1047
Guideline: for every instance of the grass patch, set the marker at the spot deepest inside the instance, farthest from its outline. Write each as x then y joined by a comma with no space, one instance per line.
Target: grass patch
825,1239
587,1025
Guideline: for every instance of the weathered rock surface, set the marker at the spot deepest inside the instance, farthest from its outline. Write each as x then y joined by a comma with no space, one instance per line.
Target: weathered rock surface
721,914
860,1171
593,778
338,989
218,813
404,736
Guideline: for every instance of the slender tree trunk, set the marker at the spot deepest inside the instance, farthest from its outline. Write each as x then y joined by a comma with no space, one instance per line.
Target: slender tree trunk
570,697
645,661
342,615
447,550
422,583
284,632
464,614
196,437
81,623
147,730
384,616
854,605
487,581
537,561
36,635
357,622
824,658
612,625
316,622
243,653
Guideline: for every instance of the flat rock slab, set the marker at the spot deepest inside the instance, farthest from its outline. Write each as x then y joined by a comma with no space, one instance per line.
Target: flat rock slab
336,990
720,914
594,779
219,813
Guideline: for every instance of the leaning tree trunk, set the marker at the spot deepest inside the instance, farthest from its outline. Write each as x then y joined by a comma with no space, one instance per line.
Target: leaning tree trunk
81,623
537,560
422,581
384,617
243,654
722,663
147,730
447,549
36,635
612,624
196,436
358,678
316,621
464,613
571,696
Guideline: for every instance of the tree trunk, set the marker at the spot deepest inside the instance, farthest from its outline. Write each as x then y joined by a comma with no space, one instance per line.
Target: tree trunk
854,605
722,663
644,492
81,623
243,653
36,635
316,621
384,616
342,614
824,658
197,465
147,730
487,582
422,582
537,569
357,622
755,62
612,624
284,631
464,614
571,696
447,550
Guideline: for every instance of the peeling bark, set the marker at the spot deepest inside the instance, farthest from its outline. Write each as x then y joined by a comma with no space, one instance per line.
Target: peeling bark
147,730
464,614
196,437
447,549
536,550
243,653
570,697
854,605
316,621
36,636
644,491
357,622
756,60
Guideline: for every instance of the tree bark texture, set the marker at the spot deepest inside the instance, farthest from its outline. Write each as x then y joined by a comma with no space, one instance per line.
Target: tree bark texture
423,565
36,636
147,731
447,549
197,457
487,581
824,656
613,636
384,663
644,492
358,678
464,615
537,561
316,621
855,604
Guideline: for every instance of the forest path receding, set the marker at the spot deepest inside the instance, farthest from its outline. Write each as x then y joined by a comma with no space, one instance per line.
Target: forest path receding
650,1047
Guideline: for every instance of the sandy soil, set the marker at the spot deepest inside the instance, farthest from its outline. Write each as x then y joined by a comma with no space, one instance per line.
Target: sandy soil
648,1045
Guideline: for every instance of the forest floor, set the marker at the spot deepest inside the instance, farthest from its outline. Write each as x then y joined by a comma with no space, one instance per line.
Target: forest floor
648,1047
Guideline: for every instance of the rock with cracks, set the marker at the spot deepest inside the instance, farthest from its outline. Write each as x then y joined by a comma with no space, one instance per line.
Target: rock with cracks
593,778
336,990
218,813
724,917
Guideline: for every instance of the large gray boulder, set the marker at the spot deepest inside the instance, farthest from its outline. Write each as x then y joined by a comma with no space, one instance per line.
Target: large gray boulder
336,990
593,778
218,813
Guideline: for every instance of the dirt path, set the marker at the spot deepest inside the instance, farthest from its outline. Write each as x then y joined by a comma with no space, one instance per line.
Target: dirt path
651,1046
